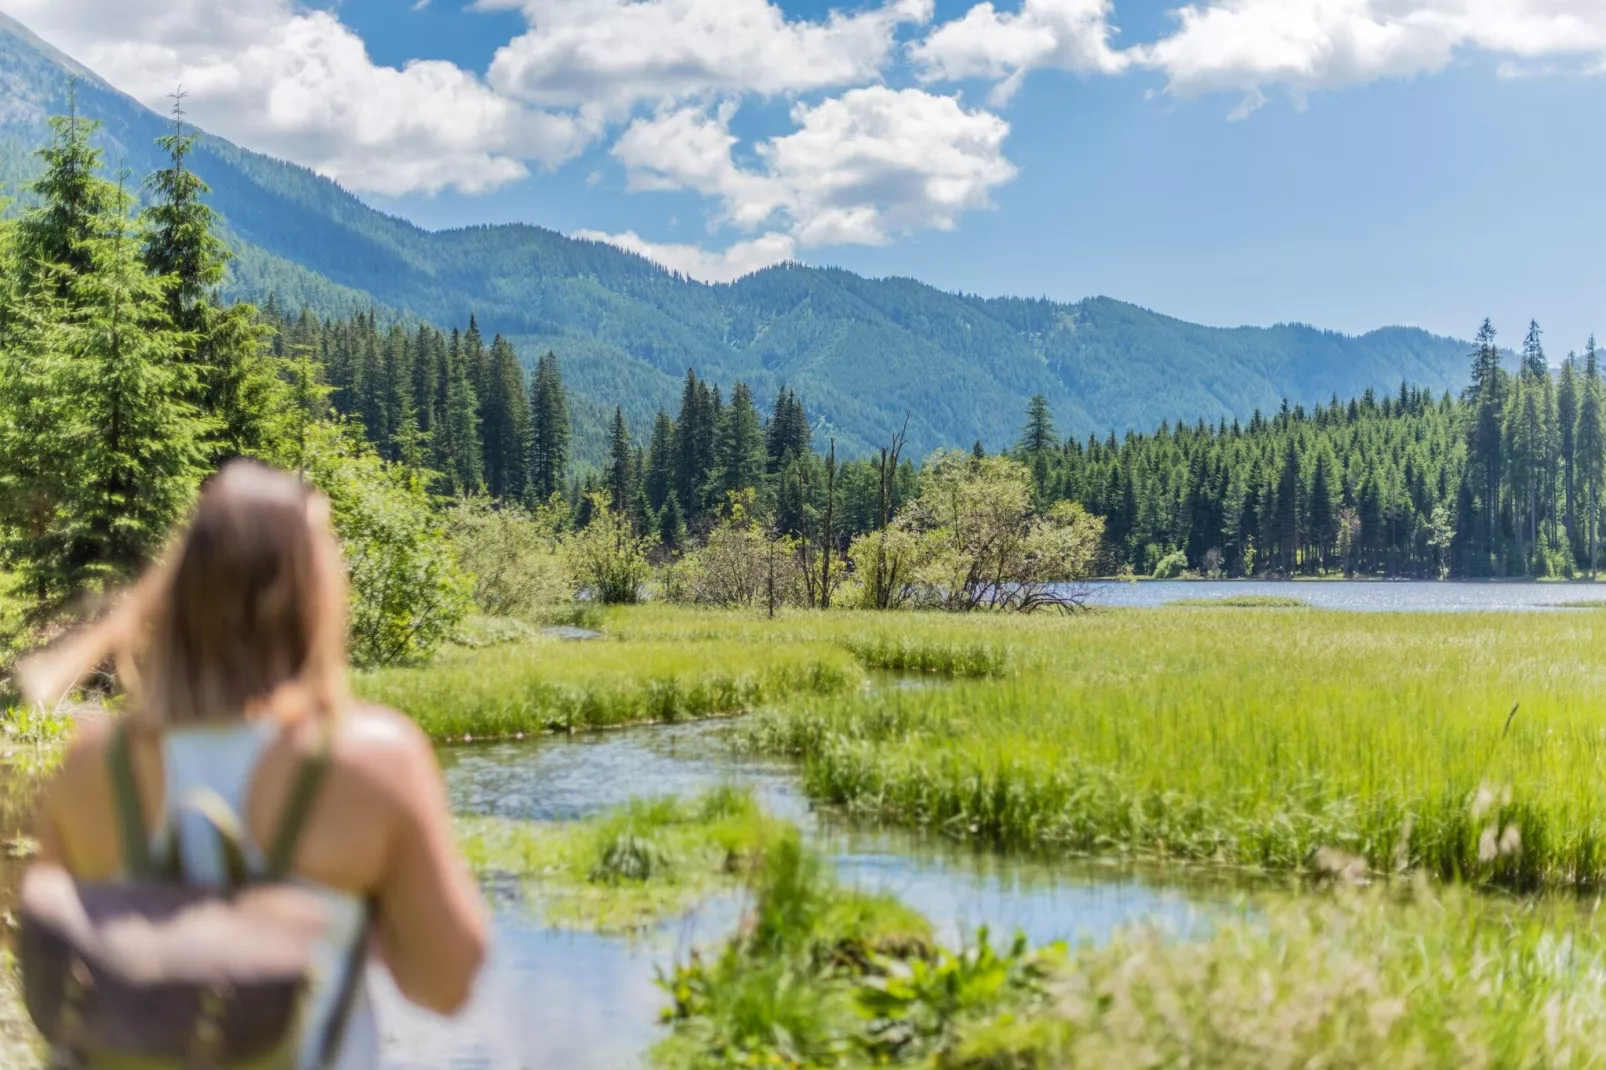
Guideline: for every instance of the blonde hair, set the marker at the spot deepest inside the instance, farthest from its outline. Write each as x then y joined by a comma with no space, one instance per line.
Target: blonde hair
244,617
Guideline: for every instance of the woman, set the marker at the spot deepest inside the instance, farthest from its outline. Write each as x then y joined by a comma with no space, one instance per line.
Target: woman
233,654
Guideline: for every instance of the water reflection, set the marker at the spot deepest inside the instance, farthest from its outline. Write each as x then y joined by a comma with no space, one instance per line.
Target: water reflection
586,1002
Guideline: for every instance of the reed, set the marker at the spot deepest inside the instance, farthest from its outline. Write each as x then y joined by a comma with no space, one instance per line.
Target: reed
1248,739
510,691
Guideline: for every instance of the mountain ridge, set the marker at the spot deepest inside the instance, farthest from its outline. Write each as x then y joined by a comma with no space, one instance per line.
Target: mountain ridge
863,353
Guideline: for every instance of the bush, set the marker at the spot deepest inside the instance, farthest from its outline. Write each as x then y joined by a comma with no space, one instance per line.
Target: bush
512,555
739,566
1171,566
606,560
408,593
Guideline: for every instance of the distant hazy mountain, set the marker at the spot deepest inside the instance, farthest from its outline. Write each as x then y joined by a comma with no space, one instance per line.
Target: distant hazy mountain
860,352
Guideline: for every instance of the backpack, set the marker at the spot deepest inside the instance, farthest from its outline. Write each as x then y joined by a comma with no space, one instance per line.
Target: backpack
157,974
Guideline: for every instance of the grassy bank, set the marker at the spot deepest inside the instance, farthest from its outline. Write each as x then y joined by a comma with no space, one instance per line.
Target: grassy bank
1240,737
1419,980
539,686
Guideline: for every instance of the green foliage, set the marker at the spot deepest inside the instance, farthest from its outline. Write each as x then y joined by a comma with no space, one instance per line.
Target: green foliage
550,685
510,553
1389,738
1171,565
606,559
408,592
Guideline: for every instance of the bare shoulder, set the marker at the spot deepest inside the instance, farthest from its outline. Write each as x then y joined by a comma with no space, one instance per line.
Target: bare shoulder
384,749
85,758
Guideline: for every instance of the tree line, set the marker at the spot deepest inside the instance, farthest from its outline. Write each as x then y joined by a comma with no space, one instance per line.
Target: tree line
1506,480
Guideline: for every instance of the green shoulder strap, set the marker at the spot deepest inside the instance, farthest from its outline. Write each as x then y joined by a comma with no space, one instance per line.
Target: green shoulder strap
125,799
297,810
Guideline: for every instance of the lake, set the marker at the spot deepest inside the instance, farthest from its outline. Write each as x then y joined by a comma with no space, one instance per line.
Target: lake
1379,596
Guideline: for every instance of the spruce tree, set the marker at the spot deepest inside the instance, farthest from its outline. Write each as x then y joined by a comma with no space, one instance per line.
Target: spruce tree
128,451
1590,443
660,469
505,422
1484,439
458,456
741,455
73,201
694,446
788,433
618,475
549,430
1567,431
236,386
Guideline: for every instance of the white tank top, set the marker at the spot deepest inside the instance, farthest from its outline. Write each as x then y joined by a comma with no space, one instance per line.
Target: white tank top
223,759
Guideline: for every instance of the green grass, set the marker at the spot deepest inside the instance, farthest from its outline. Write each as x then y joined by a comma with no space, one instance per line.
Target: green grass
538,686
1246,739
1241,601
628,869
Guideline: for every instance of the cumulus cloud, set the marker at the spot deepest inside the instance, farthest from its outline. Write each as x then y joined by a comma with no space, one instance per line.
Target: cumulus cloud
727,265
857,169
301,85
1306,45
612,54
1072,35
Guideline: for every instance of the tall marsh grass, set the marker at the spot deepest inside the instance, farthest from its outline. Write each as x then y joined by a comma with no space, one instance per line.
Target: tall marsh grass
1249,739
506,691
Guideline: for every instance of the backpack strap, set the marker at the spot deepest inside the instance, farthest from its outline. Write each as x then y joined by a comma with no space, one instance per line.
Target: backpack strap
125,800
334,1033
298,809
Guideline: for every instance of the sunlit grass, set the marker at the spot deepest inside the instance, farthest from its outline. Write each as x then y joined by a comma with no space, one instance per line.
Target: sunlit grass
1250,739
506,691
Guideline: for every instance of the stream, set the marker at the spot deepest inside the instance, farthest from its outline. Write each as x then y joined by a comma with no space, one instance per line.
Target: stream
553,1000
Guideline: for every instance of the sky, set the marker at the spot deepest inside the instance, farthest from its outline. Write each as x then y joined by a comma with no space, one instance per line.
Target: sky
1346,163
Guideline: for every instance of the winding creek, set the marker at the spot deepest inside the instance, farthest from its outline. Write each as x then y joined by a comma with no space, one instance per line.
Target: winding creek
587,1002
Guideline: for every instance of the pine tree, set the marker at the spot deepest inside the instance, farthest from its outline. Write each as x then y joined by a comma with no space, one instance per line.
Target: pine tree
660,469
694,446
1590,442
235,385
741,455
617,475
458,456
1484,439
549,430
788,434
126,455
671,526
505,422
73,201
1567,432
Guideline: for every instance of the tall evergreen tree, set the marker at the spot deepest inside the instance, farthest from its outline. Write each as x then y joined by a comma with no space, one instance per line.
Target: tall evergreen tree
458,456
694,446
235,386
1484,438
618,476
549,430
1567,432
660,470
788,433
1590,443
741,454
505,422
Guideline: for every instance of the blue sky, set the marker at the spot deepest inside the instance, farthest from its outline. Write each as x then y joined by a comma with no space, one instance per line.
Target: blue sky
1349,163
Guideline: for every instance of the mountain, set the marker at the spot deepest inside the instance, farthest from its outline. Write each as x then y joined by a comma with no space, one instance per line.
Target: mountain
861,352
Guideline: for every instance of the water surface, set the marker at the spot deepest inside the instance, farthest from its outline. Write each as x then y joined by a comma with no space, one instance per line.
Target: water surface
579,1001
1380,596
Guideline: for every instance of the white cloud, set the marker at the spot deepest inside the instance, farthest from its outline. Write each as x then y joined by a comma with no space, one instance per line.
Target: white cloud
301,85
1072,35
1306,45
613,54
857,169
728,265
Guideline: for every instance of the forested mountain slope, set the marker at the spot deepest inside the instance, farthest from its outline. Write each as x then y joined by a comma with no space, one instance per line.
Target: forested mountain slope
861,352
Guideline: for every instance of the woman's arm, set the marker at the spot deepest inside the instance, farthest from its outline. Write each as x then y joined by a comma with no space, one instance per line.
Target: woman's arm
431,923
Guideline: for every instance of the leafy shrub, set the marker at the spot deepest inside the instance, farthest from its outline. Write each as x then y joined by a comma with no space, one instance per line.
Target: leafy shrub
512,555
408,593
1171,566
739,566
606,560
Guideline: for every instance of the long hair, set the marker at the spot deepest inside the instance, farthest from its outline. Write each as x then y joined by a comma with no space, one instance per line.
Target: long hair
244,617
